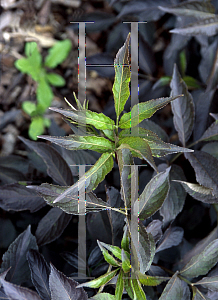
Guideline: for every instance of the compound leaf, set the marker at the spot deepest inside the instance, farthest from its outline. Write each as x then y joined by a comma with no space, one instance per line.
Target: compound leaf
203,262
143,111
122,77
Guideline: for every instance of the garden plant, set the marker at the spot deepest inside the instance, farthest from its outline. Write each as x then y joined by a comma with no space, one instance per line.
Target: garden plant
146,254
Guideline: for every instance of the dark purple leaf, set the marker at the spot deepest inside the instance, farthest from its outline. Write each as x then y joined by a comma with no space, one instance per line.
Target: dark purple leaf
207,27
199,192
172,237
64,288
200,246
101,59
3,296
15,257
95,256
57,168
206,169
173,289
197,9
152,126
15,162
199,295
146,57
69,204
211,134
155,229
211,148
9,175
51,226
202,108
183,107
17,197
209,282
40,271
8,233
175,200
73,258
15,292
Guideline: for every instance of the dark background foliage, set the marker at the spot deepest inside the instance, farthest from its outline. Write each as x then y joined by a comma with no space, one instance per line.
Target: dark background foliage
23,214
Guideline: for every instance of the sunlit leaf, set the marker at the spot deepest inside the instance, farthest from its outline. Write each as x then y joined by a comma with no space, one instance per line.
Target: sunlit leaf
143,111
122,77
98,120
151,280
199,192
76,142
137,290
119,286
96,283
108,257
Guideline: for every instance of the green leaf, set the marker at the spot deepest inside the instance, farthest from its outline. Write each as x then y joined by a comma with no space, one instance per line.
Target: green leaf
173,289
58,53
47,122
139,148
125,239
183,62
157,146
96,283
23,65
109,134
116,251
55,79
128,287
28,107
36,127
137,290
91,178
209,283
76,142
182,108
119,286
99,121
30,48
203,262
50,192
109,258
151,280
103,296
125,261
199,192
211,134
143,111
163,81
122,77
44,93
153,195
191,82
